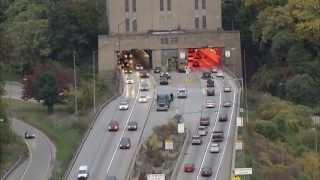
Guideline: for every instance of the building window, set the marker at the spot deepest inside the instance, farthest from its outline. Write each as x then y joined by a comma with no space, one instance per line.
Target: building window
127,25
169,5
126,5
196,22
204,4
196,4
134,6
204,22
134,25
161,5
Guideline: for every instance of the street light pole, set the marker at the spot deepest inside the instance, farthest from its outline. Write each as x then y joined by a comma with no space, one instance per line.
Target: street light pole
75,83
94,80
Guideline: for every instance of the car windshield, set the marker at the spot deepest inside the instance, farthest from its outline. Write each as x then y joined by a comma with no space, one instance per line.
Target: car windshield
124,103
82,171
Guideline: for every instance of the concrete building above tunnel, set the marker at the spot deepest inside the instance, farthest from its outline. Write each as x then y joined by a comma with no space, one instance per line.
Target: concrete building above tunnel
165,29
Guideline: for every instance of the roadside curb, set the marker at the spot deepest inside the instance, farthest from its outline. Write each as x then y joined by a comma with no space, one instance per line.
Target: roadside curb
18,162
95,116
180,158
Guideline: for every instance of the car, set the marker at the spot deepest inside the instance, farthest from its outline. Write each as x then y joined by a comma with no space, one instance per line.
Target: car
196,140
182,93
210,91
210,104
83,172
113,126
127,71
129,81
157,69
29,135
111,178
165,74
227,104
202,131
206,75
220,74
124,105
210,83
195,64
164,81
125,143
214,148
142,99
189,168
132,126
144,74
204,121
206,172
139,67
223,118
144,87
214,70
217,136
227,89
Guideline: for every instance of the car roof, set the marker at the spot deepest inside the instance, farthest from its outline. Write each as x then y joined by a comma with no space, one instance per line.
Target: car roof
83,168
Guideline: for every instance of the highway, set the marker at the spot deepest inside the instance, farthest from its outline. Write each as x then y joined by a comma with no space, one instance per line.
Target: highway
200,155
41,155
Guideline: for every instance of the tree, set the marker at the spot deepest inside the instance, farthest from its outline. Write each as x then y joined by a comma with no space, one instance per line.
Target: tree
311,165
48,91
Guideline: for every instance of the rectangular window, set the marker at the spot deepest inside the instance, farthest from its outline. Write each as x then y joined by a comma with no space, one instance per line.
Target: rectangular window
196,22
126,5
204,4
161,5
204,22
127,24
169,5
196,4
134,25
134,6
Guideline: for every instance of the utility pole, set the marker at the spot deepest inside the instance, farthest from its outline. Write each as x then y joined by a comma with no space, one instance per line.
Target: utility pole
75,84
94,80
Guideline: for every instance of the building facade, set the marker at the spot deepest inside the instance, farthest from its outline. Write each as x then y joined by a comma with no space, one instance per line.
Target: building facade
165,26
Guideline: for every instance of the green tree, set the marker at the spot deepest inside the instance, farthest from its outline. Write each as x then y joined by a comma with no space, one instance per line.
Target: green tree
48,92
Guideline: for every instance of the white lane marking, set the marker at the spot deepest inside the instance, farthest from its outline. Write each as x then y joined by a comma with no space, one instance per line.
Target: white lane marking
228,132
30,161
124,130
210,139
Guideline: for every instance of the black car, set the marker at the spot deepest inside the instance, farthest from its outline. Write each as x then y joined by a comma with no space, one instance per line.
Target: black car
223,118
206,75
164,81
132,126
125,143
206,172
29,135
210,83
210,91
157,70
217,136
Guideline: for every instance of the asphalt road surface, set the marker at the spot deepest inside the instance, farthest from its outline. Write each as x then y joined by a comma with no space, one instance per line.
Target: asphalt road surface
41,155
200,155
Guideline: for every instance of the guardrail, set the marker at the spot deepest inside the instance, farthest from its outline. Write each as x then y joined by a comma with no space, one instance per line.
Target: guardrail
119,85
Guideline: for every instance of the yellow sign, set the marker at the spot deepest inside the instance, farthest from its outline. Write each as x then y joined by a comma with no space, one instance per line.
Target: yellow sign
236,178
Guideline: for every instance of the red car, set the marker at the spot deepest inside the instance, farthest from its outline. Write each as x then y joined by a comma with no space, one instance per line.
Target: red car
113,126
188,168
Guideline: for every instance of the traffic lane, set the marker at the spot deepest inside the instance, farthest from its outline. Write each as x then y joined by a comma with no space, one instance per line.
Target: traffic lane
18,172
224,172
121,162
109,144
41,152
214,160
94,142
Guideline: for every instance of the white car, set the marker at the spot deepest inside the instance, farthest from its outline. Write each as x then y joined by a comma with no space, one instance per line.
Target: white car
83,172
210,104
220,74
130,81
124,105
202,131
227,104
227,89
214,148
182,93
142,99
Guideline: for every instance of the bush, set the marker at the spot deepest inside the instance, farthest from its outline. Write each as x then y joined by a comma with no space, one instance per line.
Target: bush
267,129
